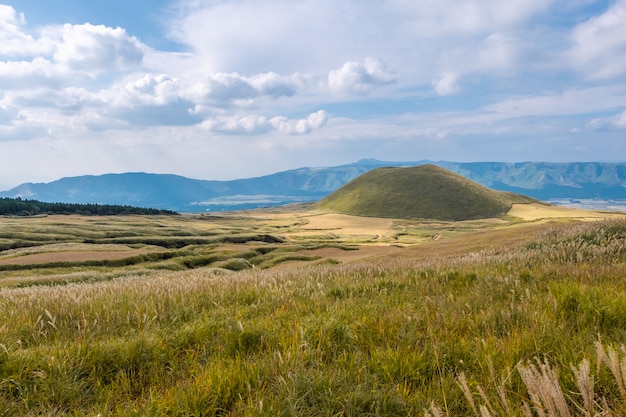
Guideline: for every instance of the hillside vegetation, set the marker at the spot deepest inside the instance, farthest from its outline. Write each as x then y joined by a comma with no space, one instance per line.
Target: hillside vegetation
491,319
421,192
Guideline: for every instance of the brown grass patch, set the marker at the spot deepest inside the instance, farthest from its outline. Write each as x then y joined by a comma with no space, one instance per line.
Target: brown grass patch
345,225
352,255
533,212
472,242
70,256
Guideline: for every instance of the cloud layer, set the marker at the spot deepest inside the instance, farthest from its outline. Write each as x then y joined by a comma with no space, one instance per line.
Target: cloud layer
317,82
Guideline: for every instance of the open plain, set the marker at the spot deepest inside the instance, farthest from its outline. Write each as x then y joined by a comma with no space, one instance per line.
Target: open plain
302,312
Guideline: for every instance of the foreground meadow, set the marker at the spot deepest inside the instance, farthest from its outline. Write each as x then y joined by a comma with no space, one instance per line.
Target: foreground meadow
295,314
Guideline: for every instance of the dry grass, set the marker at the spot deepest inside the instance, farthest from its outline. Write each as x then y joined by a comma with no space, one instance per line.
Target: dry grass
545,395
487,320
364,251
534,212
365,228
90,254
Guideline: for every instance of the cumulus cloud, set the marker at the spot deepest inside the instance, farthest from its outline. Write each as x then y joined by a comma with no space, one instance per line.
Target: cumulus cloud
600,43
149,100
96,48
247,63
61,54
20,119
15,75
314,121
253,124
232,87
446,85
15,125
153,90
13,40
359,77
273,85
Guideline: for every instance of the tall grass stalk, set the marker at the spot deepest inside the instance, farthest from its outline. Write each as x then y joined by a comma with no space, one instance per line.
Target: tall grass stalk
394,336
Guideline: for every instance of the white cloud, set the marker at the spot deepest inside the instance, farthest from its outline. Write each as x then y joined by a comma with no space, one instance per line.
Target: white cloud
10,18
260,36
273,85
434,133
465,17
600,43
569,102
96,49
151,90
314,121
13,40
148,100
253,124
222,87
359,77
18,125
446,85
615,122
61,55
496,51
232,87
17,75
249,66
419,40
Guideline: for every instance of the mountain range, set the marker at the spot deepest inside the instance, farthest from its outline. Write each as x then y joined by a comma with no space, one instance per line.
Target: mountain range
542,180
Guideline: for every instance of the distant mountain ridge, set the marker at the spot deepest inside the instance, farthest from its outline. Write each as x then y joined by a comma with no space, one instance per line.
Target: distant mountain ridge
542,180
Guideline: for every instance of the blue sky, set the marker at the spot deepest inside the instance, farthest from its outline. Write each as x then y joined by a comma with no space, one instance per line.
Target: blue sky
222,89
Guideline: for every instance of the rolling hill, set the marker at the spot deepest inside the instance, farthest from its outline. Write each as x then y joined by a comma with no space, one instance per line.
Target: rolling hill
420,192
542,180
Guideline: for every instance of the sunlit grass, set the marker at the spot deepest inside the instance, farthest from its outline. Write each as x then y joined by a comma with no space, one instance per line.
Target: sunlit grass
479,315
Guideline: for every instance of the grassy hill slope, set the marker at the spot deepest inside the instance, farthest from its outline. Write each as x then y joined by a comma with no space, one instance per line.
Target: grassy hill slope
421,192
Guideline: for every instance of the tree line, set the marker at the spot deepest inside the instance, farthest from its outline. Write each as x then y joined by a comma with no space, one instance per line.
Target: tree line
19,207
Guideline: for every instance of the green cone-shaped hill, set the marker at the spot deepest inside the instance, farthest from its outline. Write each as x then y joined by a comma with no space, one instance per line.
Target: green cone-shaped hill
420,192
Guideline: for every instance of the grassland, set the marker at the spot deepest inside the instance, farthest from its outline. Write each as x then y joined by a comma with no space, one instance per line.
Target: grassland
420,192
304,313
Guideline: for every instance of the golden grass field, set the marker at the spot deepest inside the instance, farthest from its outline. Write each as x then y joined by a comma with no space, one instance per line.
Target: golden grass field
66,254
372,236
304,313
534,212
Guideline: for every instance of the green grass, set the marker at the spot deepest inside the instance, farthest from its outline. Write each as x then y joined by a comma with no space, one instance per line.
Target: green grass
393,336
169,242
422,192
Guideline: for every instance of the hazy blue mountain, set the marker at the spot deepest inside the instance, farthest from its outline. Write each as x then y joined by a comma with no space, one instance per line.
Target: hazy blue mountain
543,180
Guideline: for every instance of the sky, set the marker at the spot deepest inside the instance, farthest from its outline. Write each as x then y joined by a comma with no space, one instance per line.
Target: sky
226,89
